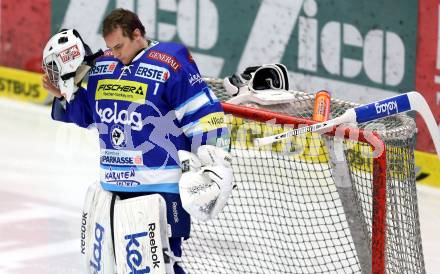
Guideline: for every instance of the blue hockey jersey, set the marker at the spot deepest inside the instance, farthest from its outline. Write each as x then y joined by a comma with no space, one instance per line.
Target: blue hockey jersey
145,112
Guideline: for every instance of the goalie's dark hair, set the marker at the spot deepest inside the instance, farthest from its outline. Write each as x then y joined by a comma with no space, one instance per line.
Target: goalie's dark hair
127,20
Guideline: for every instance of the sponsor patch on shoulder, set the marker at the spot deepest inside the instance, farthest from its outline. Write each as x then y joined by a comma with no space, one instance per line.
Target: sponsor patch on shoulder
195,79
164,58
103,67
152,72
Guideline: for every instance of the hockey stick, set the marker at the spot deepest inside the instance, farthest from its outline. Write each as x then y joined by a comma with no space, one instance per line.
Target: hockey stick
370,112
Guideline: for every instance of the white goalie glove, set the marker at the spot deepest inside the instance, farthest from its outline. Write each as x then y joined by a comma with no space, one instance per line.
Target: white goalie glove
206,182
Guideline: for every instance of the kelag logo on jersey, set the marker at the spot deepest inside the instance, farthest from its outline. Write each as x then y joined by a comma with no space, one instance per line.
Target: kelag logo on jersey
123,116
152,72
104,67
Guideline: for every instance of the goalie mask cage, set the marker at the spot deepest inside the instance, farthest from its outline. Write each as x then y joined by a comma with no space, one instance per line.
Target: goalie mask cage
313,203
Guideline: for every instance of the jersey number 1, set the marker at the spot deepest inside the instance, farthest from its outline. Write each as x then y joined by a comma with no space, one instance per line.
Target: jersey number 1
156,88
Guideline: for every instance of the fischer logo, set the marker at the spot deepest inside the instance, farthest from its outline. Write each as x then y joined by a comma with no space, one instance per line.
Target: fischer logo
153,72
121,88
195,79
97,248
83,232
108,115
105,67
134,256
389,107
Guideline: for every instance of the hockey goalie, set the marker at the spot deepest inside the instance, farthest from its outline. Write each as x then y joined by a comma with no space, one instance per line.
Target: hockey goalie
162,133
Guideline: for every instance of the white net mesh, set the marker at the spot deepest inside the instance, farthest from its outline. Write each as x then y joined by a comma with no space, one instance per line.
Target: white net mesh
295,212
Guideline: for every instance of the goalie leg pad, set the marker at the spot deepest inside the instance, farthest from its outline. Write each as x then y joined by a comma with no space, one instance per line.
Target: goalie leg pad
96,237
141,236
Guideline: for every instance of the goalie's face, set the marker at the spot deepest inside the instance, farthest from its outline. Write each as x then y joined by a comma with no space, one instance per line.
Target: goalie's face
124,48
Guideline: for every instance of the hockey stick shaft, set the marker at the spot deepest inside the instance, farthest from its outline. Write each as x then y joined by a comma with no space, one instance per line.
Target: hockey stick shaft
370,112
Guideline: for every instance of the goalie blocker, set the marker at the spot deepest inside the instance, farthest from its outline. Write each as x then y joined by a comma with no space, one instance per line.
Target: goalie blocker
140,242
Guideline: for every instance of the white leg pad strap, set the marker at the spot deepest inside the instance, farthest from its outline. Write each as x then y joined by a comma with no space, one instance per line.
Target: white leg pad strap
96,237
141,236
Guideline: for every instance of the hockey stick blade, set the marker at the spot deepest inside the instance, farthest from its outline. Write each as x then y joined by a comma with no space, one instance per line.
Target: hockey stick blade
370,112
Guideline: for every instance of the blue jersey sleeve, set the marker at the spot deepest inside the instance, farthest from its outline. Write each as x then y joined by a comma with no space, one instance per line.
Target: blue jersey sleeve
197,109
78,111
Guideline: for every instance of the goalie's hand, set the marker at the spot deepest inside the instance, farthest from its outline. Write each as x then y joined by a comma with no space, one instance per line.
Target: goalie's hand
206,182
50,87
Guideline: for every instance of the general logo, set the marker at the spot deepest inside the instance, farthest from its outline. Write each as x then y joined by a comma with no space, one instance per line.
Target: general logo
164,58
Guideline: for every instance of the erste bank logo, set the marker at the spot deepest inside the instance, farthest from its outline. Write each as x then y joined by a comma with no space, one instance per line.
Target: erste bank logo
152,72
104,67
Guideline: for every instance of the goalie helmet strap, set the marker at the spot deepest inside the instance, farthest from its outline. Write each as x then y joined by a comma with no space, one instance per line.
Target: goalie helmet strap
90,59
67,76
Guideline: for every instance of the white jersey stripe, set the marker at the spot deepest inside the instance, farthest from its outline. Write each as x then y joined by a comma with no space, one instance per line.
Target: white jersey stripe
192,105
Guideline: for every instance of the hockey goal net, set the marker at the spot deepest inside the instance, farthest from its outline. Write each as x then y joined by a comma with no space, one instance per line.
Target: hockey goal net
313,203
